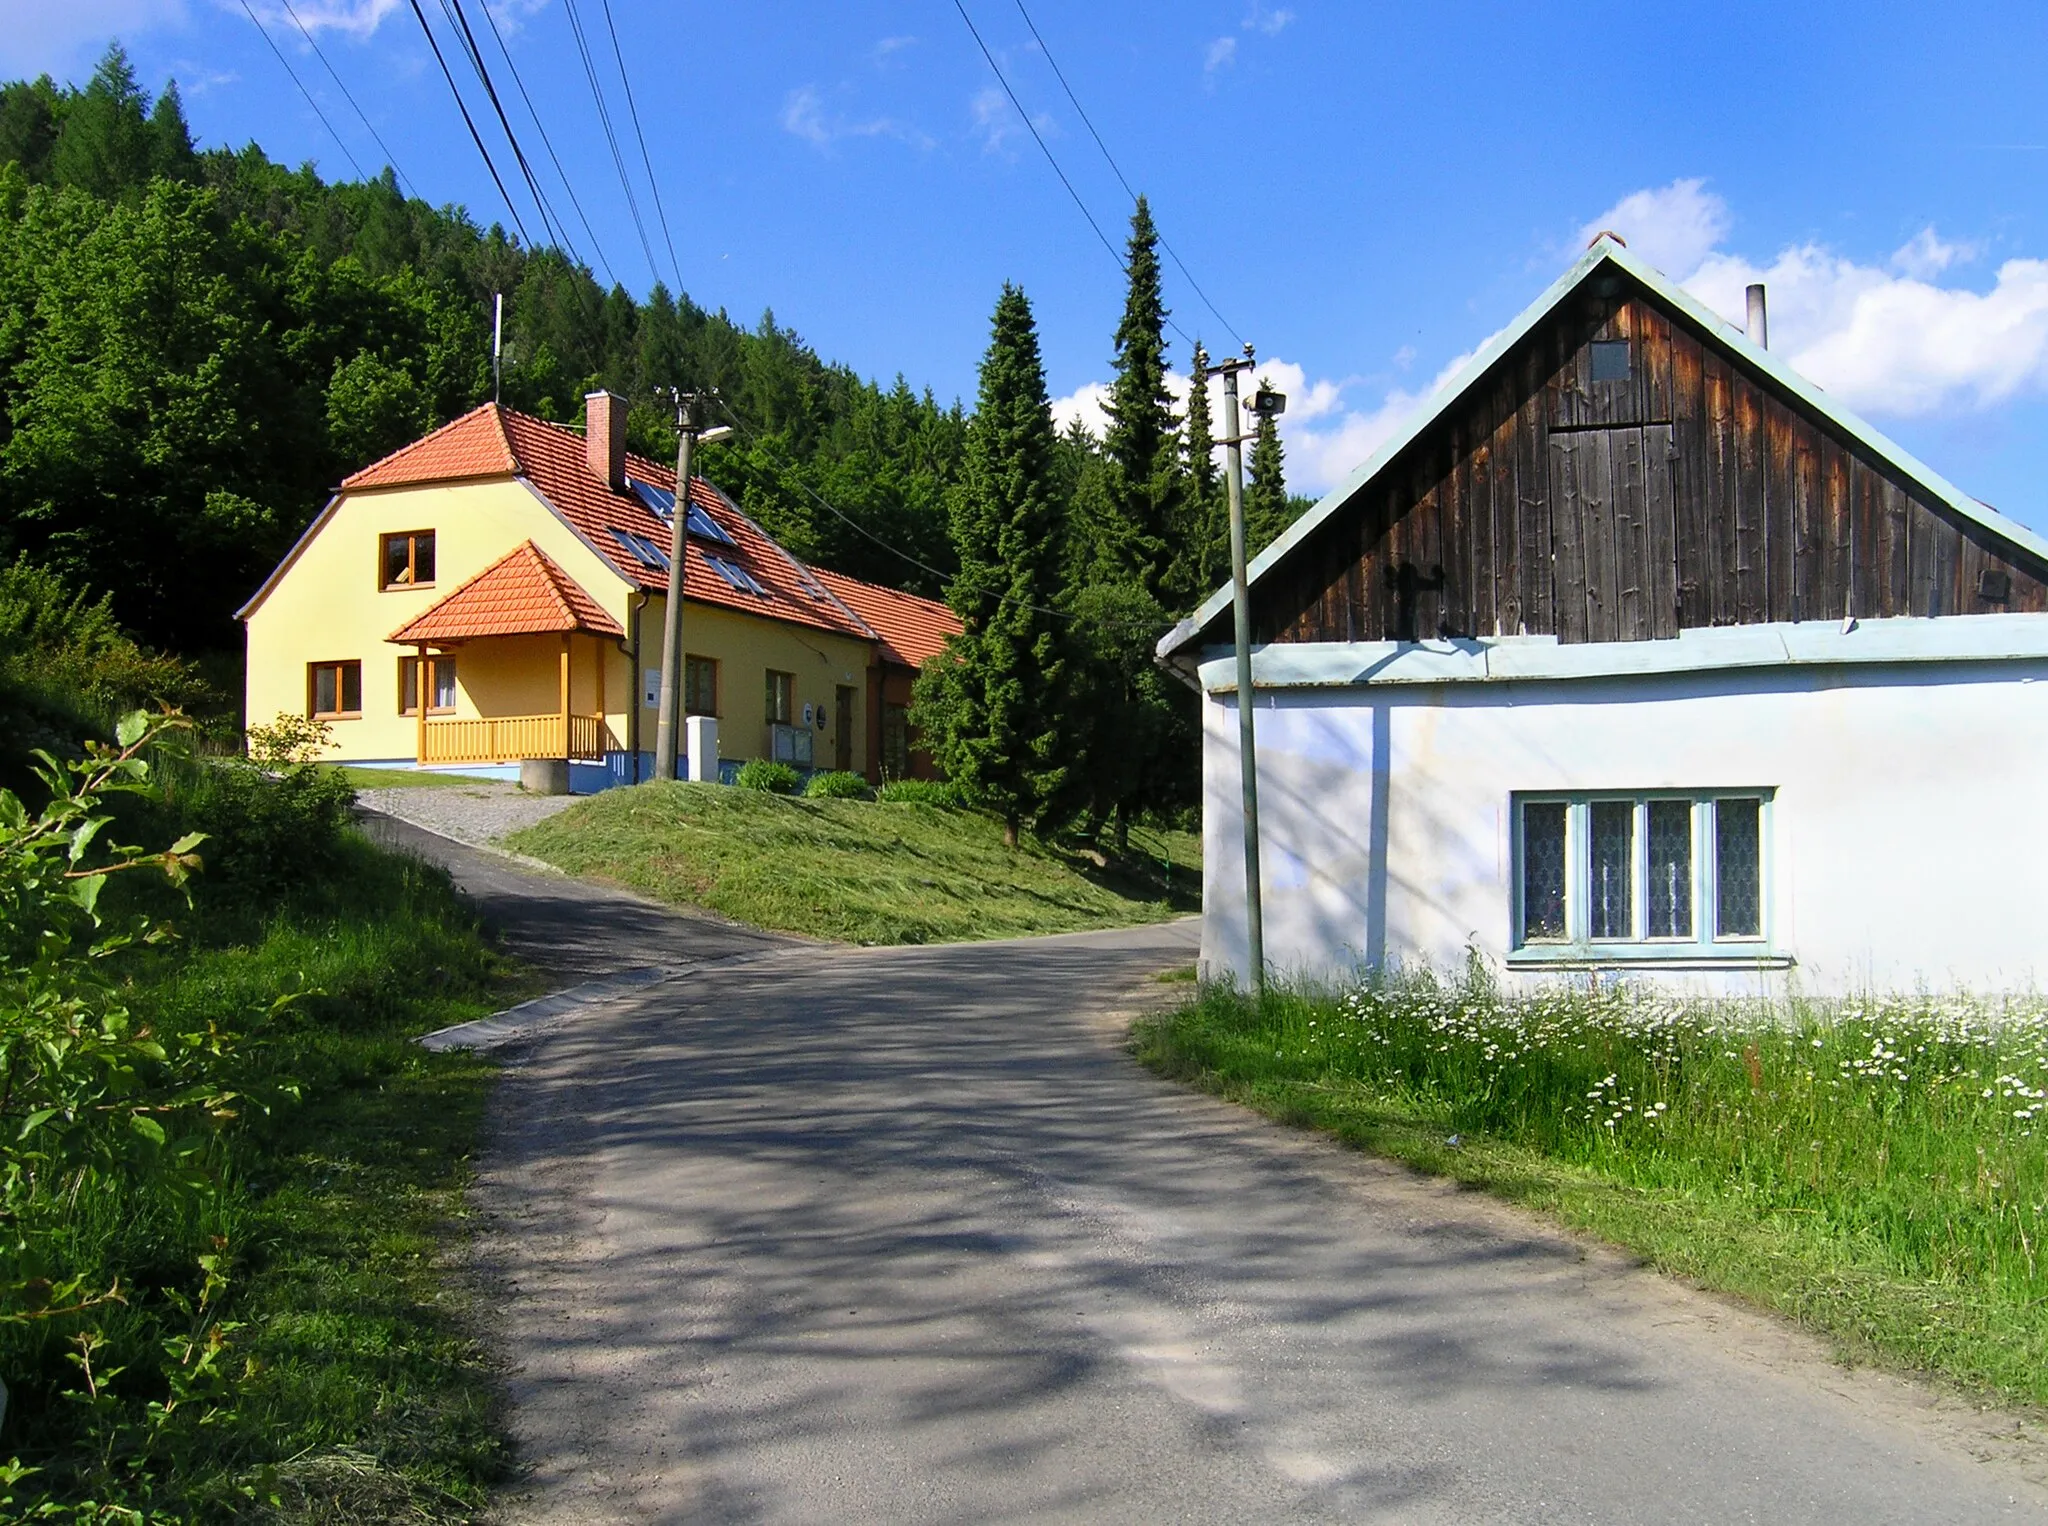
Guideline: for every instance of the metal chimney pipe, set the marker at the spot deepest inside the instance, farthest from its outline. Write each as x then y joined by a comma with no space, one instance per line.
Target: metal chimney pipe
1759,320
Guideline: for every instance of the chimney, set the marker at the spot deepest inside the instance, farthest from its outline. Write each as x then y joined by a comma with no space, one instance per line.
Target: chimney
604,438
1759,322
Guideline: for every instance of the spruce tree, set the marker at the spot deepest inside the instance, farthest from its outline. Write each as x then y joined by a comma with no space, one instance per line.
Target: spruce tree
104,144
1267,508
1202,555
1142,443
991,709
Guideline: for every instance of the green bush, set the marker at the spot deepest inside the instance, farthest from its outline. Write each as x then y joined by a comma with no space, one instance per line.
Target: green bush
919,792
67,668
836,785
774,778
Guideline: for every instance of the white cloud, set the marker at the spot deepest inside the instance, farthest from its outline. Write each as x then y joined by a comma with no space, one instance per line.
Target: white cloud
885,51
804,115
1271,22
1325,436
1222,53
352,18
1672,227
67,39
1886,337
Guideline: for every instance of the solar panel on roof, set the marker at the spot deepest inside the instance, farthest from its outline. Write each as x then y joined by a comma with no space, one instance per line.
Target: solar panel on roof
703,524
736,575
641,549
662,504
659,500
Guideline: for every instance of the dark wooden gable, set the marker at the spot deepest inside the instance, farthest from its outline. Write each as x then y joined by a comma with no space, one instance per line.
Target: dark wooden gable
1617,476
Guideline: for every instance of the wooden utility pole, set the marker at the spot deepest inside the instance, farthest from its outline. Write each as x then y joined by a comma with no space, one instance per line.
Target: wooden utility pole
1265,404
668,724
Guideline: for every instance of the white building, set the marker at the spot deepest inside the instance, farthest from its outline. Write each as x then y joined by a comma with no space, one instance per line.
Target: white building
1633,651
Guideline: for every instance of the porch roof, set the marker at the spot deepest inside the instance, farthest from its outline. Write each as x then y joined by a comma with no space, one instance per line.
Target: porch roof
523,593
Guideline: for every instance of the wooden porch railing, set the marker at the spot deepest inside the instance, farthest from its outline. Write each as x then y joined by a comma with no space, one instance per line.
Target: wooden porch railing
508,738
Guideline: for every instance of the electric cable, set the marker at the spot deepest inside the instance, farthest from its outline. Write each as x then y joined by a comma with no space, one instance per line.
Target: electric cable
611,138
632,110
1037,138
467,121
457,17
304,91
548,143
1060,75
889,546
389,157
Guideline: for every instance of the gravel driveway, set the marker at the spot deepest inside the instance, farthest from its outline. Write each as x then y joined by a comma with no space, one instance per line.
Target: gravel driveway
481,814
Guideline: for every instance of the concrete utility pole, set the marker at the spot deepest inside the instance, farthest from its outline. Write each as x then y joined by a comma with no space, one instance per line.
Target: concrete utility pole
1265,404
668,728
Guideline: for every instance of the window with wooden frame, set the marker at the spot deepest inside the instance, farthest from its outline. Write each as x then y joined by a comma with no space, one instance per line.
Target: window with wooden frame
700,686
440,685
334,691
1663,874
405,559
781,698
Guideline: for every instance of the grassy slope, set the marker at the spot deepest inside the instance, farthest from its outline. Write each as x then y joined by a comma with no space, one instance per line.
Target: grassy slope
1869,1266
369,1398
857,870
399,778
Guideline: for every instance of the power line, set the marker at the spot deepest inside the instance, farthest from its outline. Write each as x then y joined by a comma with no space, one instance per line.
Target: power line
889,546
304,91
389,157
452,9
1033,128
633,111
604,120
1003,80
1060,75
567,184
462,106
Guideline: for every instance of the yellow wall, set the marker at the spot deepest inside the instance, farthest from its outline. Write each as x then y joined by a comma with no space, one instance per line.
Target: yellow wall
745,649
328,607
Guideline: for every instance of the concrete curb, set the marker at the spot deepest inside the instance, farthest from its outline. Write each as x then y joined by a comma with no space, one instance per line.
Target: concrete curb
528,1017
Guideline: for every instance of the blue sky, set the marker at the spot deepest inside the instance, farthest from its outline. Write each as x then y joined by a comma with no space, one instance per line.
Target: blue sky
1366,192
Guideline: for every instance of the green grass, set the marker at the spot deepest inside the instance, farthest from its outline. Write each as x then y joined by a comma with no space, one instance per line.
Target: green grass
858,871
360,1390
1875,1170
401,778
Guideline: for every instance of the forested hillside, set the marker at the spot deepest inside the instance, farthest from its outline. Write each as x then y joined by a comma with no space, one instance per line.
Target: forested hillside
196,345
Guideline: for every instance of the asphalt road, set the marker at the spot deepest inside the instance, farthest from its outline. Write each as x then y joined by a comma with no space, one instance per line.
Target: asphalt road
813,1234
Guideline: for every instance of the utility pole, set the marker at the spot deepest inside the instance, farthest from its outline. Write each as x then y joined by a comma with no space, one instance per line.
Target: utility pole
497,344
668,726
1265,404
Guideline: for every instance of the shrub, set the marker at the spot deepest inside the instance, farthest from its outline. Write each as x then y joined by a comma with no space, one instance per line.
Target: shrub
836,785
774,778
919,792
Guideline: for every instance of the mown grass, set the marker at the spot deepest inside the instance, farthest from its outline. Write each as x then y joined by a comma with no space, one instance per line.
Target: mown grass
858,871
401,778
359,1391
1876,1170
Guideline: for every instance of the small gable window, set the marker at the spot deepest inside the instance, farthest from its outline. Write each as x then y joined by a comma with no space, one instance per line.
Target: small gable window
1610,360
406,560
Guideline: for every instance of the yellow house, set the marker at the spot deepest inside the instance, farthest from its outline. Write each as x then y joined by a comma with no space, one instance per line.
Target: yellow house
495,592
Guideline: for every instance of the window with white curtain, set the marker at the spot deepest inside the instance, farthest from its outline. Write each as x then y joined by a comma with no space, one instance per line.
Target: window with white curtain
1677,871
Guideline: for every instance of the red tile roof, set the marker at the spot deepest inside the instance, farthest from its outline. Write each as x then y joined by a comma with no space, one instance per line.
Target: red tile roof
471,446
913,630
493,441
523,593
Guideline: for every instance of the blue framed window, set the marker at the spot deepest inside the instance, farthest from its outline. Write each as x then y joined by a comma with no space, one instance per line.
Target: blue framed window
1655,874
641,549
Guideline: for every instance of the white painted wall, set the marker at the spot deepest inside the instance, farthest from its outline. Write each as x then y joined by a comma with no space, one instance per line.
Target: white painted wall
1910,834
